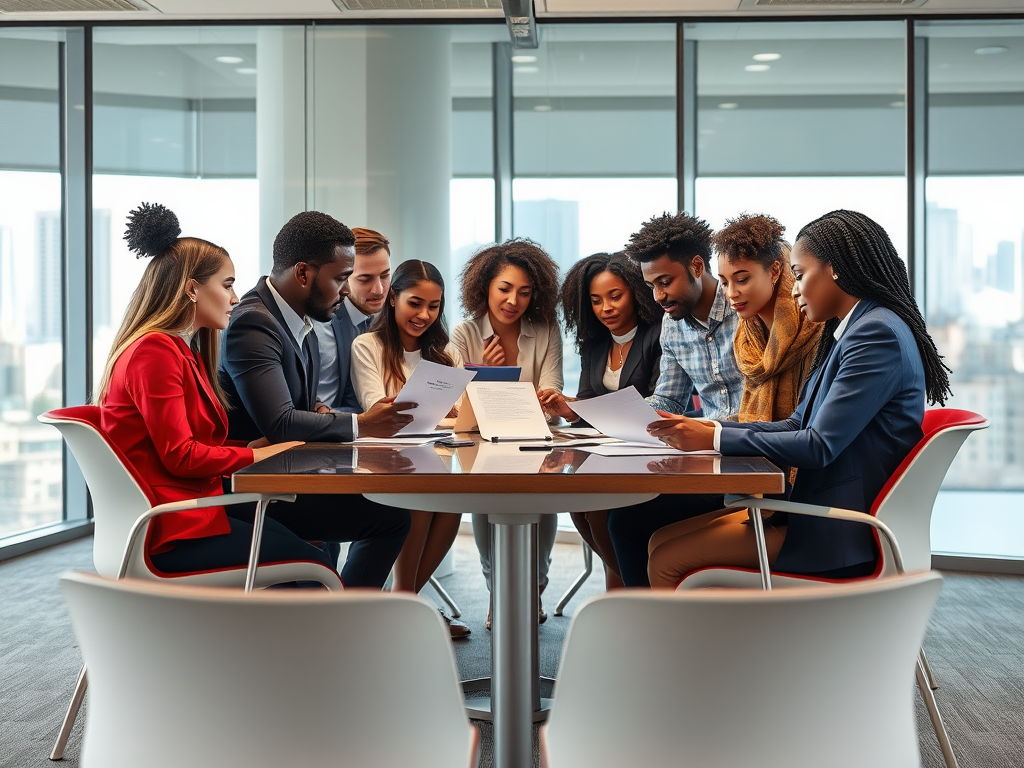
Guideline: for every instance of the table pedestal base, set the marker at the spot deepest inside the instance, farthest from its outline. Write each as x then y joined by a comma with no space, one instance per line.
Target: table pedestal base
515,683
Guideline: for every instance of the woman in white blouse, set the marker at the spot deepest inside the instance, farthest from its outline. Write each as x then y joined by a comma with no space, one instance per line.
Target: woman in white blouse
510,292
410,328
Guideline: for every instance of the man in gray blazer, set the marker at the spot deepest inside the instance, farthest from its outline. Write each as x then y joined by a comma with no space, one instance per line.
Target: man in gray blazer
270,369
368,290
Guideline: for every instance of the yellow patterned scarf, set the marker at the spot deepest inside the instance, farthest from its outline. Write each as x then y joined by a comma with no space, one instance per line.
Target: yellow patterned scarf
774,365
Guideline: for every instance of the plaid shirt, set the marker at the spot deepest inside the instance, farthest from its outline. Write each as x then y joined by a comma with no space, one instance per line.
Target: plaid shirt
692,355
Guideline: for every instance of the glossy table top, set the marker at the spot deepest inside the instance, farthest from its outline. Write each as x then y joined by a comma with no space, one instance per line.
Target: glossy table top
499,468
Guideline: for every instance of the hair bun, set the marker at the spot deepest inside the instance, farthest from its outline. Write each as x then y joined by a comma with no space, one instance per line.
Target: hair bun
152,229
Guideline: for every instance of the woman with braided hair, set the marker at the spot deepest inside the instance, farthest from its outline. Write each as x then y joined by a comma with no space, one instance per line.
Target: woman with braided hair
859,415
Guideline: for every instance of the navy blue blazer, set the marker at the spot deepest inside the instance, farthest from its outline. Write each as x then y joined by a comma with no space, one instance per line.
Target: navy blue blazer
640,368
859,416
262,373
344,334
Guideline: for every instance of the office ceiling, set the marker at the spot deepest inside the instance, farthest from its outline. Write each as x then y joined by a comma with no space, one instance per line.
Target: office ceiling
184,10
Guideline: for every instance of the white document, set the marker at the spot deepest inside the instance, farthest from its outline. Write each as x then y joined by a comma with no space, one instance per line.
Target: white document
413,440
625,449
505,410
623,414
435,389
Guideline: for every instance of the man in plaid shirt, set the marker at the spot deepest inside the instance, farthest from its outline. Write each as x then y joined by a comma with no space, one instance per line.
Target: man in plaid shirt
696,351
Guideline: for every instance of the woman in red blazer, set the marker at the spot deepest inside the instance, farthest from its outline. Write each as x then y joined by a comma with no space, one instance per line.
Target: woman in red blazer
163,409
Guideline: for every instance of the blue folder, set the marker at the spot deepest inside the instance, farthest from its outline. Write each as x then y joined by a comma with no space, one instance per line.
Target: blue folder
495,372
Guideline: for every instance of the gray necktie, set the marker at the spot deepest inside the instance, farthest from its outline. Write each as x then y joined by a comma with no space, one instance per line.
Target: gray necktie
363,326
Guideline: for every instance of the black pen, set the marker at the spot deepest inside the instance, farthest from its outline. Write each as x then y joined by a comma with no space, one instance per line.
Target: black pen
535,447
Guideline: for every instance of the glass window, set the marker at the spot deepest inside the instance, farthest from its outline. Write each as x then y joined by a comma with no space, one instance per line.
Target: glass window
594,140
974,272
31,279
175,122
795,119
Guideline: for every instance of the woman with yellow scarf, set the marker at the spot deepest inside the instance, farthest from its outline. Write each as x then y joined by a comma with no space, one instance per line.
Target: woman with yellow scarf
774,345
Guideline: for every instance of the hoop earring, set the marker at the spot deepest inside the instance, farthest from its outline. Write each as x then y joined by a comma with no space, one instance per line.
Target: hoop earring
835,276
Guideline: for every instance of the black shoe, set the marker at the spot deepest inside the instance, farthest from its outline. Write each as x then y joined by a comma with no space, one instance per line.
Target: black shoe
456,628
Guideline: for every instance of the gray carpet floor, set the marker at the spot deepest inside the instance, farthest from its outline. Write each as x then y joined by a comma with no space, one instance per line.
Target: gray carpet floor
975,645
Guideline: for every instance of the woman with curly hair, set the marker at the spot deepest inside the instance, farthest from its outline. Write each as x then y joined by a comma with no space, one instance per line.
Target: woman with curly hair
617,326
509,292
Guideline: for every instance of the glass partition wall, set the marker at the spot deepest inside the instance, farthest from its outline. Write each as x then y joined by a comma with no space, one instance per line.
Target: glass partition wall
31,278
974,271
445,139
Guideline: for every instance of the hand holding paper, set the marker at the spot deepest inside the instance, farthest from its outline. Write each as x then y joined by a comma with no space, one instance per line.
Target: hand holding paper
435,388
683,433
623,414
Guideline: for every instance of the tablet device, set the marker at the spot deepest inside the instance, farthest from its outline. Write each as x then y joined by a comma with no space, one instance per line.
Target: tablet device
495,372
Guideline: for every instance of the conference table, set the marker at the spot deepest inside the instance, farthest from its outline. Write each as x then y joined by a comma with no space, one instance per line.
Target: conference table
514,488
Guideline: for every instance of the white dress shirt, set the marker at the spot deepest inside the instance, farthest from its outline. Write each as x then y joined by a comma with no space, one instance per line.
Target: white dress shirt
299,327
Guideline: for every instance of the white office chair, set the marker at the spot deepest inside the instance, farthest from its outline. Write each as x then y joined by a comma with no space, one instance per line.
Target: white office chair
901,513
797,678
208,678
123,505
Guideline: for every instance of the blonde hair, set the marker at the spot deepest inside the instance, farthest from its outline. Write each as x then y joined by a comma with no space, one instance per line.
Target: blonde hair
161,304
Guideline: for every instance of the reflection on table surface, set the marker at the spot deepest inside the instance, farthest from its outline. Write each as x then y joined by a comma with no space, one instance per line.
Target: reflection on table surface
490,459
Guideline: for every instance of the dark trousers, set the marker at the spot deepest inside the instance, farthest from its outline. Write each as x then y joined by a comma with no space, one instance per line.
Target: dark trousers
631,529
231,550
377,532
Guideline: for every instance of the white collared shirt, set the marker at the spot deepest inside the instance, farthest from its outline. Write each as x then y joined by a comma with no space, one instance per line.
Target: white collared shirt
841,328
355,314
299,327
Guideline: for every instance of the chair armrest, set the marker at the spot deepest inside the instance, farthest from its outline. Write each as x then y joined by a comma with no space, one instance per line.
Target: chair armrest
816,510
223,500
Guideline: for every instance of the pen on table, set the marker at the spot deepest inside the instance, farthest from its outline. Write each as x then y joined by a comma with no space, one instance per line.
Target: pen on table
535,447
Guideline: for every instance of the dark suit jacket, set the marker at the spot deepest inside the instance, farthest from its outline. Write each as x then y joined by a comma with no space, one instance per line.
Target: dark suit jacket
344,334
640,368
162,412
859,416
262,373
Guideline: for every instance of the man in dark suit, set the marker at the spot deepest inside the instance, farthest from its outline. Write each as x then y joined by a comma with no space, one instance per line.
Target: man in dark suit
368,290
270,369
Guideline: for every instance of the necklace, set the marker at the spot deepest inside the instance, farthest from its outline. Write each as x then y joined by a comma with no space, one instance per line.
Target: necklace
621,341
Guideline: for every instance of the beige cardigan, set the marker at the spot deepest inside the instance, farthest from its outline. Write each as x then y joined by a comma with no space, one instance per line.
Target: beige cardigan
540,349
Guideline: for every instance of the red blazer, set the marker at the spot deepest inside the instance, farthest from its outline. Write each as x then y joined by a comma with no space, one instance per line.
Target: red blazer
162,412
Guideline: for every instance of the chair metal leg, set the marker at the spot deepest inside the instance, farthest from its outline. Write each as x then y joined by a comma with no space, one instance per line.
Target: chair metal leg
933,712
928,671
69,719
588,568
443,594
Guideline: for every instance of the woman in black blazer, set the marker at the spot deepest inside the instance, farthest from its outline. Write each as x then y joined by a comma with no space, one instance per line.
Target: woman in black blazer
617,326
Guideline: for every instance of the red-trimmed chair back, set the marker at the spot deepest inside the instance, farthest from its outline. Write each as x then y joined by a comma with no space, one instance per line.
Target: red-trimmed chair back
905,502
115,487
